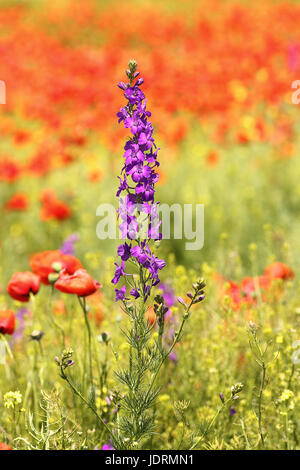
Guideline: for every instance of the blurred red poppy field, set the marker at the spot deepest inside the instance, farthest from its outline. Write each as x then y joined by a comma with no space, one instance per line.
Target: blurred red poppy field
220,80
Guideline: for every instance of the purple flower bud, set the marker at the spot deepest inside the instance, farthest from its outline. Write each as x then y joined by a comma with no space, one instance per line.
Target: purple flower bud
190,295
122,85
232,411
181,301
140,81
199,299
134,293
221,395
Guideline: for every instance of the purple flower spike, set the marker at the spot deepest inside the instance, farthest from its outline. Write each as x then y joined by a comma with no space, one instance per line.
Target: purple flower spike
137,190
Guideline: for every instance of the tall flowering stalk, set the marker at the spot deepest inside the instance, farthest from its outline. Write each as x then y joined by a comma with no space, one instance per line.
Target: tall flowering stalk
139,225
138,212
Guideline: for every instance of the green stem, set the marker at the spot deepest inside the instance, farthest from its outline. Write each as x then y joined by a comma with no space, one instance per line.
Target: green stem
82,302
262,384
211,423
7,347
77,392
291,376
175,341
287,430
51,317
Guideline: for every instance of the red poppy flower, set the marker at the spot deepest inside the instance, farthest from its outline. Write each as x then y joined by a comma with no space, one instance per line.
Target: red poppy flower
232,289
279,270
53,208
18,202
7,324
42,263
22,284
58,210
21,136
212,158
4,446
9,170
249,284
79,283
94,176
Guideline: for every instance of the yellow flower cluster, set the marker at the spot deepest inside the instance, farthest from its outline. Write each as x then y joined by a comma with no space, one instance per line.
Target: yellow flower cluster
12,399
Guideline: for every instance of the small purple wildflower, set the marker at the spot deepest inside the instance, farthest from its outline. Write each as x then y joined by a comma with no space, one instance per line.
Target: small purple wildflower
107,447
20,317
124,251
168,296
120,293
120,271
67,247
134,293
173,357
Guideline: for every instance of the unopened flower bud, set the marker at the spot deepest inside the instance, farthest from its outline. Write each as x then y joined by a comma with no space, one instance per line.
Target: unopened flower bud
159,299
181,301
199,299
104,338
236,389
132,65
36,335
122,85
253,327
57,266
53,277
